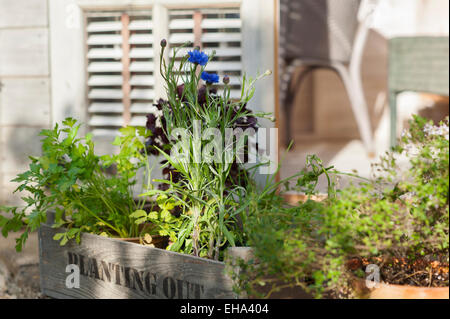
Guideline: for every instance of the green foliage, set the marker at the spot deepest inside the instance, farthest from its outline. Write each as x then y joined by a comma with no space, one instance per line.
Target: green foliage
401,212
197,212
162,221
70,180
209,221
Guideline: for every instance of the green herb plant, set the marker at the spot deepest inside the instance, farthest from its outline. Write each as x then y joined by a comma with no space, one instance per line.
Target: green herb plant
70,180
402,213
209,219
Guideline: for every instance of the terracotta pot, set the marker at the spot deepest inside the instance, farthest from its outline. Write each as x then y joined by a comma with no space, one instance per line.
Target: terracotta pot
386,291
294,199
393,291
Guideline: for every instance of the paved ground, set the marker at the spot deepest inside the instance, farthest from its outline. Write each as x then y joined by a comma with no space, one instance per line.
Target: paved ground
344,154
19,272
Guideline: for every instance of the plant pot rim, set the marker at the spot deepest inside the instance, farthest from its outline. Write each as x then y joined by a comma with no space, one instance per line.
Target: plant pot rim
411,287
394,291
388,291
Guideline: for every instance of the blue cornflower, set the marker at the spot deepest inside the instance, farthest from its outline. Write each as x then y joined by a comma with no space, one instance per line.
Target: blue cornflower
210,77
198,57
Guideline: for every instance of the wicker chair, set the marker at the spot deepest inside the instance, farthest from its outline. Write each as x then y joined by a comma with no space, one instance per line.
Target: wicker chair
418,64
324,34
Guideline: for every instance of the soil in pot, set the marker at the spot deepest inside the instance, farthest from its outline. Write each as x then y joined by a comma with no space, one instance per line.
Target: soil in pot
152,241
422,279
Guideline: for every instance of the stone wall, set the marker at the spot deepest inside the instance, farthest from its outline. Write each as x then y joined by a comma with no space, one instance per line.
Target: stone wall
25,103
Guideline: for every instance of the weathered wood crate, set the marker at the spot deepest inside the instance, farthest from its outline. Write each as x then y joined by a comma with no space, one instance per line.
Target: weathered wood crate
111,268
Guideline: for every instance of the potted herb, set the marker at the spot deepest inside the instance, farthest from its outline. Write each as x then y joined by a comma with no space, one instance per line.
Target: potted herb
69,180
196,137
391,231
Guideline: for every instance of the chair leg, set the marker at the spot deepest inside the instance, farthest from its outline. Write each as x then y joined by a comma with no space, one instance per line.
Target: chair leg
358,102
294,85
393,111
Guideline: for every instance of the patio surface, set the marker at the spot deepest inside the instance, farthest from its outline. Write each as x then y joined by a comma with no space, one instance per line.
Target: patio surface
19,272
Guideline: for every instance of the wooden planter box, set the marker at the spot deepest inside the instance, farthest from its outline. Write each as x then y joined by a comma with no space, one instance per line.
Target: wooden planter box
111,268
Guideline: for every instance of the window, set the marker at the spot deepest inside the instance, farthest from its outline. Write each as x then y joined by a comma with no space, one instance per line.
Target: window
216,30
121,66
120,70
105,54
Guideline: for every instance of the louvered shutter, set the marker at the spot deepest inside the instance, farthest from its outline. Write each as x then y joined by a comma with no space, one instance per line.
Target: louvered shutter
120,70
86,45
121,61
122,66
212,29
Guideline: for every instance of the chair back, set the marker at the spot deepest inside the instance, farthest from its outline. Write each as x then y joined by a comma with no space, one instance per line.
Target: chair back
318,29
419,64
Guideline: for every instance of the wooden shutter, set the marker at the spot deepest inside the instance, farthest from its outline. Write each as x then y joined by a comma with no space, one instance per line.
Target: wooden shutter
122,63
120,70
73,84
212,29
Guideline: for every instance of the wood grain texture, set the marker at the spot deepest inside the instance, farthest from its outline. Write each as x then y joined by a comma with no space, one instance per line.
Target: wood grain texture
23,13
30,108
112,268
16,144
24,52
